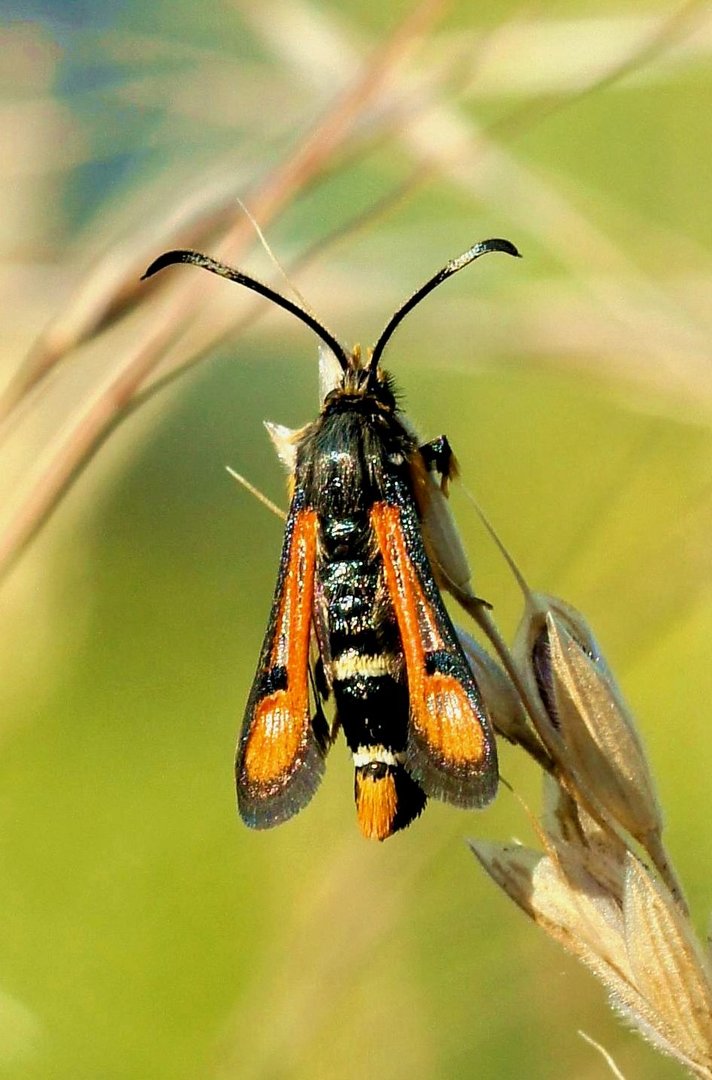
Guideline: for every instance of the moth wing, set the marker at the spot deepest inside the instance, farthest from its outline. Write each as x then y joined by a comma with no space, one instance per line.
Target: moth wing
450,749
281,750
440,534
442,539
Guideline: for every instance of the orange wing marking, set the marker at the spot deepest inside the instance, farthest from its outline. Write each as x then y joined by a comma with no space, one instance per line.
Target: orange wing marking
280,721
440,707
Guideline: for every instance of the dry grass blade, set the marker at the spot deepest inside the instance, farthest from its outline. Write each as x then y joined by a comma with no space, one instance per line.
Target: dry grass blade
111,287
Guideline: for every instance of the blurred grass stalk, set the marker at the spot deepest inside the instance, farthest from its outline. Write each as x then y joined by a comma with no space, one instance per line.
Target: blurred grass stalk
604,885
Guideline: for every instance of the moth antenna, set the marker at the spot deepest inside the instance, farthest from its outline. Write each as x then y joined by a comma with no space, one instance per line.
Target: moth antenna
483,248
273,258
196,258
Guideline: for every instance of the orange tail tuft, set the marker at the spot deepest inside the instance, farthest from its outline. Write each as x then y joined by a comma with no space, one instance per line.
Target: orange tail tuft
376,804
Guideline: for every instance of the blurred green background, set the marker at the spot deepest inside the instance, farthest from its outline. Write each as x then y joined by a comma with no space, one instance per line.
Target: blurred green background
145,933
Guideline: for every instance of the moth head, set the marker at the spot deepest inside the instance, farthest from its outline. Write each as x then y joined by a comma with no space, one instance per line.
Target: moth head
361,385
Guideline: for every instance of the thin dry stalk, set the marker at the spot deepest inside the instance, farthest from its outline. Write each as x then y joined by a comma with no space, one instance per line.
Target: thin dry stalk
112,287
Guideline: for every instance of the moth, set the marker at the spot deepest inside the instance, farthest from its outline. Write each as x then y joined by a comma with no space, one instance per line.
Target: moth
357,616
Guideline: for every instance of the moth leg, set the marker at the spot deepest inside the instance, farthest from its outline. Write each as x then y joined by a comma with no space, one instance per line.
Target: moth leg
439,457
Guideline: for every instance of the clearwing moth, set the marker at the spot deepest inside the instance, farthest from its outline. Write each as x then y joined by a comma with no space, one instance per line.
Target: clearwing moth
357,614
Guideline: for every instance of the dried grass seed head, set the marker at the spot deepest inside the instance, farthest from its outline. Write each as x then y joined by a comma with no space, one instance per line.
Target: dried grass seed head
583,719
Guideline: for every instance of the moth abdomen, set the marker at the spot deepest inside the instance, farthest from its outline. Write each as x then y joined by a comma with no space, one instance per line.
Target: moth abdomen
387,798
